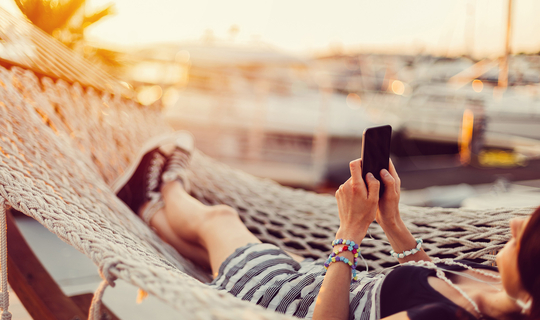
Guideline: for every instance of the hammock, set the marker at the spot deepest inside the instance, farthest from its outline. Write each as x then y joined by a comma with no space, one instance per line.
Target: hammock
62,145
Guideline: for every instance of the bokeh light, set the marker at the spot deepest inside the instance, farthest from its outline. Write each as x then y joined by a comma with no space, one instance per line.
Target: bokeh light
354,101
398,87
182,56
146,95
170,97
477,85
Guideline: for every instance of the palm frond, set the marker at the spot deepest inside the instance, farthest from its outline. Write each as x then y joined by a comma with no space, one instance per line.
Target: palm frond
49,15
98,15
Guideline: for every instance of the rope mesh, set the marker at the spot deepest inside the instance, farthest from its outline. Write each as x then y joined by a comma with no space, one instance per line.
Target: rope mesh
61,146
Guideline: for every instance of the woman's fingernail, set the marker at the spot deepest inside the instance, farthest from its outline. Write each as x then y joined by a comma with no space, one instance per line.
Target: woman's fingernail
370,175
384,172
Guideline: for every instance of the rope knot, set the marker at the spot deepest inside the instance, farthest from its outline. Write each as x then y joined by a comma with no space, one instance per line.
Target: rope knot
105,269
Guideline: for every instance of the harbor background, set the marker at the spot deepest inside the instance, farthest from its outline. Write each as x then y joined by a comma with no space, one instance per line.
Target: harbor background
284,91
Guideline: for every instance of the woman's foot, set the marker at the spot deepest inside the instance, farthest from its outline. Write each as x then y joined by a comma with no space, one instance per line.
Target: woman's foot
139,185
178,162
185,214
191,251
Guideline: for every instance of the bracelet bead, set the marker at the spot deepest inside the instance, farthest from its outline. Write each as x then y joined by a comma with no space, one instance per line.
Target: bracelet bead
408,252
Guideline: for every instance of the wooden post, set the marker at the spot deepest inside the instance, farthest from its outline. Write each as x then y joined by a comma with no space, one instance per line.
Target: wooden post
38,292
503,69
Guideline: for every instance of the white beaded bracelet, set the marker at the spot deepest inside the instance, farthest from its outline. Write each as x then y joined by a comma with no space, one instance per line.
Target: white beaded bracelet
408,252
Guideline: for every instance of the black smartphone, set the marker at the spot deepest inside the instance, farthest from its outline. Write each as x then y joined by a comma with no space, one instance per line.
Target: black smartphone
376,152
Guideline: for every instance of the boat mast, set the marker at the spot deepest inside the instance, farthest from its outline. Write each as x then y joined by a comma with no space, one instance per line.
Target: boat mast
503,69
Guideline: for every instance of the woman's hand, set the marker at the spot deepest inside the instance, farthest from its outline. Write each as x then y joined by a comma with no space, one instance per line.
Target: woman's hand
357,204
388,213
389,219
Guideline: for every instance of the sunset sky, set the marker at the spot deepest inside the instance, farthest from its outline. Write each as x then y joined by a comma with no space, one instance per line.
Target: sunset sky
303,26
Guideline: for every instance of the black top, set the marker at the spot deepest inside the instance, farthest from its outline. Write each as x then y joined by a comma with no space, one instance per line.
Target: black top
407,289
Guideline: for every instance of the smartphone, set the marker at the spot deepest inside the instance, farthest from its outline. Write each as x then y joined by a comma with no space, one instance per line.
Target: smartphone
376,152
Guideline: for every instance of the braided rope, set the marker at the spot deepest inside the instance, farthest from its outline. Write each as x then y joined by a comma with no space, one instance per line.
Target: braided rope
61,146
4,300
94,312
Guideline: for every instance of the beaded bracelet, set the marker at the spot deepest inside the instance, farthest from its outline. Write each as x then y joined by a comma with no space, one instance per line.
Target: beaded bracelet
344,260
337,251
349,245
408,252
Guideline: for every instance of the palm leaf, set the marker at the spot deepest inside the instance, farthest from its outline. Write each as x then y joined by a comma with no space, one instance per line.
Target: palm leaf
98,15
48,16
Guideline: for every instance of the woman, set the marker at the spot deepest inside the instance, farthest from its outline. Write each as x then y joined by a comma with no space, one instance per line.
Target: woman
214,236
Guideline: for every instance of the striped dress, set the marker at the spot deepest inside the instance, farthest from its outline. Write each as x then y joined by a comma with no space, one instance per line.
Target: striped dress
264,274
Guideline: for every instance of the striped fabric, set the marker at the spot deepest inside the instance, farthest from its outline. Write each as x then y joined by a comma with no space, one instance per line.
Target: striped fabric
264,274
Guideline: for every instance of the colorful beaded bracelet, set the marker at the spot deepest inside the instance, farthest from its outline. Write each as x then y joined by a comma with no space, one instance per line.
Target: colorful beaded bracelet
348,243
337,251
344,260
408,252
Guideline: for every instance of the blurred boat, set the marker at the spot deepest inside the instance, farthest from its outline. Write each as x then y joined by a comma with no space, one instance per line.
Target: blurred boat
501,193
432,95
435,112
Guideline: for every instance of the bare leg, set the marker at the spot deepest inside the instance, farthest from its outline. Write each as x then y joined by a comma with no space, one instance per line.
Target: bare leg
204,234
193,252
217,229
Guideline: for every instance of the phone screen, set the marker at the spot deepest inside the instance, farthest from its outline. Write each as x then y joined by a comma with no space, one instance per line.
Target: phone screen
376,152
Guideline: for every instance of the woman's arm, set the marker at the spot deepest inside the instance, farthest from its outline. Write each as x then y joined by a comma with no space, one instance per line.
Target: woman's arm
357,209
333,298
401,239
389,219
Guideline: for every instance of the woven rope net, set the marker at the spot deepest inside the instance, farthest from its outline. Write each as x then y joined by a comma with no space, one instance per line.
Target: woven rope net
62,145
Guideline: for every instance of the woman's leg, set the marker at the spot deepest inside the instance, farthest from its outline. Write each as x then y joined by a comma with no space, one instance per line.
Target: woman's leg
193,252
204,234
217,230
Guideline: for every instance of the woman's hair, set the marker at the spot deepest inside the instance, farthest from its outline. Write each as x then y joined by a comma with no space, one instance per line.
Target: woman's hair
529,262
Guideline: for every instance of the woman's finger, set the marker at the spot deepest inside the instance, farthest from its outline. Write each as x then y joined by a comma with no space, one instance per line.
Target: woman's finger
388,180
356,175
373,187
394,174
